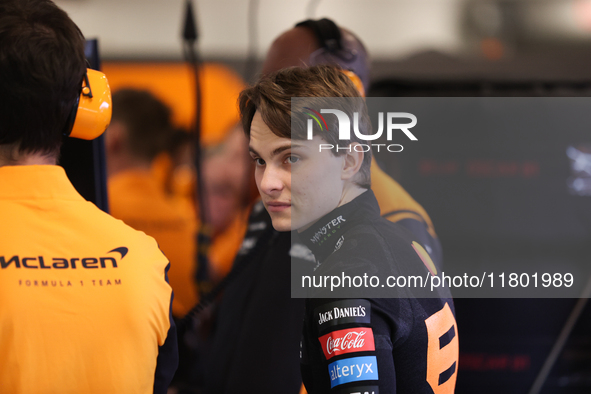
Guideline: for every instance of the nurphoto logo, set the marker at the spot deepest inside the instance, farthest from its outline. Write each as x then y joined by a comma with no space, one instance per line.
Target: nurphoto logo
345,129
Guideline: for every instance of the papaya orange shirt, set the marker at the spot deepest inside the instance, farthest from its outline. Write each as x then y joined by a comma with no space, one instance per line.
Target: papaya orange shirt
84,304
137,198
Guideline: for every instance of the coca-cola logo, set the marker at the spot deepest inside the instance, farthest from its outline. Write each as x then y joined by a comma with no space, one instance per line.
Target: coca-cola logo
358,339
351,340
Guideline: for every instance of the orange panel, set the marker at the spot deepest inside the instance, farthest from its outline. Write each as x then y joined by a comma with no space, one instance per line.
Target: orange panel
173,83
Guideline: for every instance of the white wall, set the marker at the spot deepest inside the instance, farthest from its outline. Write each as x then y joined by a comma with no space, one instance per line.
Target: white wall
151,28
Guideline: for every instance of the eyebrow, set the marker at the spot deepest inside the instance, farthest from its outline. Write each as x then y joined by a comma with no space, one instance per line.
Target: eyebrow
278,150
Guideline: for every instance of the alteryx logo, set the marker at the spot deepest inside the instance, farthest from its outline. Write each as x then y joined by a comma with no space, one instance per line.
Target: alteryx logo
110,260
393,123
353,369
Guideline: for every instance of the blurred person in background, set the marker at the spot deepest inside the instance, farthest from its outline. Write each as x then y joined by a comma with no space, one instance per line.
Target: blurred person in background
230,192
174,165
175,169
139,131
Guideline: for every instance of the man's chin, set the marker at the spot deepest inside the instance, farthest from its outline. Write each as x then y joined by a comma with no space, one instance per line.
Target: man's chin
281,224
281,227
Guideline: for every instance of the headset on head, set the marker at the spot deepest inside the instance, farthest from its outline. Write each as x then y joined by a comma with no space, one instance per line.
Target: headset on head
333,50
91,114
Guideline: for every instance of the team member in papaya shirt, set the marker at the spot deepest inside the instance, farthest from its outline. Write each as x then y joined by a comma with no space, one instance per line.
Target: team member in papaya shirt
395,345
84,300
139,130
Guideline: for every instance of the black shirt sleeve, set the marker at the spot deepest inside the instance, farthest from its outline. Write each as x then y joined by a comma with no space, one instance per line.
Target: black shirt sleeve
168,356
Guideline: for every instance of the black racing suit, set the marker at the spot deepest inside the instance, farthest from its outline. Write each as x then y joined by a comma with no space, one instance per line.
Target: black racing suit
258,326
255,344
385,345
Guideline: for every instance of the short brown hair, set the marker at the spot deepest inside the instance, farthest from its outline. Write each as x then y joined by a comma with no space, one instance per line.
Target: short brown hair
42,65
146,119
272,95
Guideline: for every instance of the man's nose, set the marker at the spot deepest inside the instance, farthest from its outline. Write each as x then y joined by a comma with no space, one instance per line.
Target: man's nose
272,180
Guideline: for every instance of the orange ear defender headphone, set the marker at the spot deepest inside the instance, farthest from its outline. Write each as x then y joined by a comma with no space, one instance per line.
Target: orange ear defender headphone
91,114
356,81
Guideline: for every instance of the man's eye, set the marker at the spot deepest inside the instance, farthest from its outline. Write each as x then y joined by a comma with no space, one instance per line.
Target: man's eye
292,159
258,161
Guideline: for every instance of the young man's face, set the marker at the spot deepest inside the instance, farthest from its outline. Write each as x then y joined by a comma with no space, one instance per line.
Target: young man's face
298,184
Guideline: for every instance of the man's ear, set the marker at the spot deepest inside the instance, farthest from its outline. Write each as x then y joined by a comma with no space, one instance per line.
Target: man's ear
115,136
352,161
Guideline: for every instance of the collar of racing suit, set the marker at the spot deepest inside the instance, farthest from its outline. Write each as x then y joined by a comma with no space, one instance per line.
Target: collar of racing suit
327,234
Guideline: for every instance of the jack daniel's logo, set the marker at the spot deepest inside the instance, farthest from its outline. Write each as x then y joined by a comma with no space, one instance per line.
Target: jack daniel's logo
337,313
342,312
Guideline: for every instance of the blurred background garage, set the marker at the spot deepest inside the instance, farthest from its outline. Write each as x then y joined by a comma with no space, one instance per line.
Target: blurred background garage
471,48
